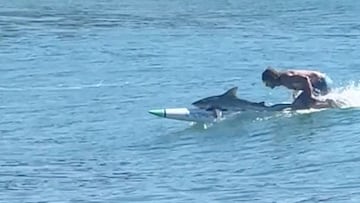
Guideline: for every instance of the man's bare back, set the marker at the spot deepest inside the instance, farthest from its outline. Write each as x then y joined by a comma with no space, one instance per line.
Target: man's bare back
304,80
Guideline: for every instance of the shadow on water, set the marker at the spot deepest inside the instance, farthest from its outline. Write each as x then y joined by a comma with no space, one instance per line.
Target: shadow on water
235,125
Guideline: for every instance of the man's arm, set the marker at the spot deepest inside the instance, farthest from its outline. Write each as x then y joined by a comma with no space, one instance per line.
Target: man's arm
305,83
298,82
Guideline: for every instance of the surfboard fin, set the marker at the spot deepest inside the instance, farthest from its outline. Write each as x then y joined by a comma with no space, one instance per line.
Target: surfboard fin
217,113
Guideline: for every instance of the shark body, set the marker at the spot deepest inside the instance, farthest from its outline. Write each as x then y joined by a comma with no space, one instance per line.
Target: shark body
228,101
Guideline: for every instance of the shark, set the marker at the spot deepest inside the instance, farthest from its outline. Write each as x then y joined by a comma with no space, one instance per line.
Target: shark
217,105
228,101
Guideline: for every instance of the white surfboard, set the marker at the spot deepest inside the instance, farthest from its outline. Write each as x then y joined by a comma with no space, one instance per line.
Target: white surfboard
186,114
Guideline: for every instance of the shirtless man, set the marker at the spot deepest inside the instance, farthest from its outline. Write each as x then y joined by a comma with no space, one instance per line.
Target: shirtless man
311,83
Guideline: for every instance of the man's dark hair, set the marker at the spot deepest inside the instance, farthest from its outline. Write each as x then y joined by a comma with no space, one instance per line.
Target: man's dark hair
270,74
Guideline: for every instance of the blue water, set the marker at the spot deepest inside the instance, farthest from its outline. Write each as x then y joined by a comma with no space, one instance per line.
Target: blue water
78,77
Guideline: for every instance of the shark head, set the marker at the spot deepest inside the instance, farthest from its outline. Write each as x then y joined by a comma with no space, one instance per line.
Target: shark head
216,102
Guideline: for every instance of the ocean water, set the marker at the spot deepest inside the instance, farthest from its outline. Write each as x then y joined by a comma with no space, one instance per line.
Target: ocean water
77,79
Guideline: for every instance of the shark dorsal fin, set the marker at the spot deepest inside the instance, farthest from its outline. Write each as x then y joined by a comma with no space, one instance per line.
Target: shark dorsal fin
231,92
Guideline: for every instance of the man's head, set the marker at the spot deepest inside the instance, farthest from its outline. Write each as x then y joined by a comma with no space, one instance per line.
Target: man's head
271,77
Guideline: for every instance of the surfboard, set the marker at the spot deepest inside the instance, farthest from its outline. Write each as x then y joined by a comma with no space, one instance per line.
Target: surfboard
185,114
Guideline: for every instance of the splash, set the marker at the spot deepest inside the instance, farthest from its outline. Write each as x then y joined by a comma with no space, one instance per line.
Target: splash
347,96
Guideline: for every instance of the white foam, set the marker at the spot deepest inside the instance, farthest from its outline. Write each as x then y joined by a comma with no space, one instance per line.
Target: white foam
347,96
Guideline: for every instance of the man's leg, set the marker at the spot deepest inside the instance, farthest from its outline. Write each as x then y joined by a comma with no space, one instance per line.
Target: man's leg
322,87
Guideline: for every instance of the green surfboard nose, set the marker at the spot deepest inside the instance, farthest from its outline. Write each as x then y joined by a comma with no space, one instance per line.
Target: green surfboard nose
158,112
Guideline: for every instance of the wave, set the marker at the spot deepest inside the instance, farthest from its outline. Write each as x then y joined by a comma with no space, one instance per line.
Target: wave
61,87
